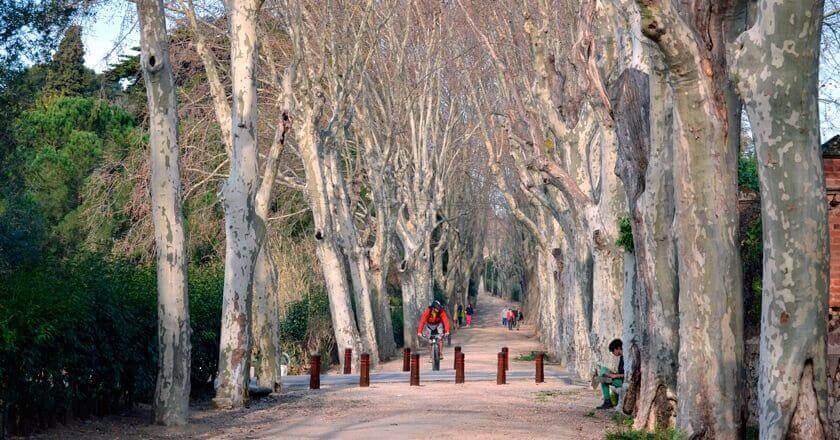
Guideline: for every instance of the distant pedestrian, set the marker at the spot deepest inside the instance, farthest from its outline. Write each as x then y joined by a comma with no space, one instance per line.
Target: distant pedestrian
459,314
505,317
470,312
511,319
519,318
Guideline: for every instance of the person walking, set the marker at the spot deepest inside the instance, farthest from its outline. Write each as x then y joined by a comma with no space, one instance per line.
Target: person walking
505,317
470,312
459,315
511,319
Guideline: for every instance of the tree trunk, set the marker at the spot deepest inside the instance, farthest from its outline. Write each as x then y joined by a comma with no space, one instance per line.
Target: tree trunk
266,303
328,250
382,312
244,231
706,137
643,111
776,69
608,259
266,322
172,390
357,261
417,294
380,258
338,291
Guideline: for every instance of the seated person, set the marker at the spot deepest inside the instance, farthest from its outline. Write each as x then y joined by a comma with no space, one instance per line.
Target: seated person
606,378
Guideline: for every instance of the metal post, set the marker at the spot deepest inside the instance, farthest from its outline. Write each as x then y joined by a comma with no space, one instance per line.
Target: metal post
348,360
540,376
459,367
500,369
364,371
415,370
507,360
406,359
455,361
315,372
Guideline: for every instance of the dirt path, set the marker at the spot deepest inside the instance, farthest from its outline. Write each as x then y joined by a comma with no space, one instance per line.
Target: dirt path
482,342
479,409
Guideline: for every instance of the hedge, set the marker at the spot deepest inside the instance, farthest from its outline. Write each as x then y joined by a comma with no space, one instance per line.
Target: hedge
79,339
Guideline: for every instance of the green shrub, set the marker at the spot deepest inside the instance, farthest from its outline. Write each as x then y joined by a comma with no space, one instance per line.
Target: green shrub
625,234
79,339
632,434
526,357
397,320
748,172
307,328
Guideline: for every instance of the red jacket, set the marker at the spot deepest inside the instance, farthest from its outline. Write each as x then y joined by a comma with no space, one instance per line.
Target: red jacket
432,317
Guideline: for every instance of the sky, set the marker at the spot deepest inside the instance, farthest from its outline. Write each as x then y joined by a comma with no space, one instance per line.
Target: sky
104,38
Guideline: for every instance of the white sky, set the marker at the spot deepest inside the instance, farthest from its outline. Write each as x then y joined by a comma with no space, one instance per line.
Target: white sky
104,38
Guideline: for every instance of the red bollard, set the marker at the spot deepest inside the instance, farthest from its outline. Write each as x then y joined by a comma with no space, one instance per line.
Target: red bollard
507,360
415,370
455,361
500,370
459,367
406,359
348,360
540,376
315,372
364,371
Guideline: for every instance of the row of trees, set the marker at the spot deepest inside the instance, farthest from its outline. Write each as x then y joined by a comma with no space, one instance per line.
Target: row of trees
379,148
597,110
407,122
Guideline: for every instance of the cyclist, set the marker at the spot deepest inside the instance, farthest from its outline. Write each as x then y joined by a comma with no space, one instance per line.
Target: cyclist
434,319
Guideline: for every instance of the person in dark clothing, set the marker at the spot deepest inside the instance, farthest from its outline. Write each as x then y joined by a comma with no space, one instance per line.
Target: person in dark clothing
606,378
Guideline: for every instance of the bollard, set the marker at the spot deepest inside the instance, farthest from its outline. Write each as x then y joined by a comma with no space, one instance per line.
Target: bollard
500,370
364,371
406,358
459,367
455,361
507,363
415,370
540,376
348,360
315,372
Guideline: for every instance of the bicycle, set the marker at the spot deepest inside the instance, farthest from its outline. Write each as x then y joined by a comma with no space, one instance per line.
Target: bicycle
435,339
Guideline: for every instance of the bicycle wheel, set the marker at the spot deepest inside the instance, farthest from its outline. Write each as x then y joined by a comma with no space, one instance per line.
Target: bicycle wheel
435,356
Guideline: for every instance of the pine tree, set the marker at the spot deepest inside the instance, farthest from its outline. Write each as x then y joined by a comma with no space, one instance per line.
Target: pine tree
67,75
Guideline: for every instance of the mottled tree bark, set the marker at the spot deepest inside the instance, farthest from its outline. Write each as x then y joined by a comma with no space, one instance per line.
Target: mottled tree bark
776,69
356,259
328,248
416,283
266,303
172,390
643,111
265,310
381,254
244,231
706,137
380,261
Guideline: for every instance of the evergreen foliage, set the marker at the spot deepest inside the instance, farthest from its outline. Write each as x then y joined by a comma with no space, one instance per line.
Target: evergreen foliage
60,142
67,74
